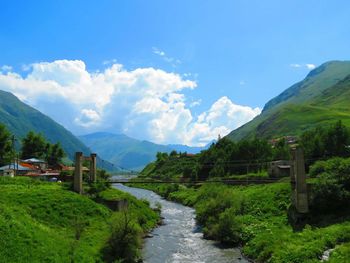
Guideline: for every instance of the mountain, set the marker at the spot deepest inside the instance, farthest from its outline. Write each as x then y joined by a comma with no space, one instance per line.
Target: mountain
321,98
127,152
20,118
189,149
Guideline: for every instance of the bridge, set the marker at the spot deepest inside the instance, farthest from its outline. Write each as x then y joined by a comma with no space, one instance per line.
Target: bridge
224,181
300,190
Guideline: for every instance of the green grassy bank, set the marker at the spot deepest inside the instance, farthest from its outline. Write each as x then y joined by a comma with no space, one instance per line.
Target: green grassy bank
46,222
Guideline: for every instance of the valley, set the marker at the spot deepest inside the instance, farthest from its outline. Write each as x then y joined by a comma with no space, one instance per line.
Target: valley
224,182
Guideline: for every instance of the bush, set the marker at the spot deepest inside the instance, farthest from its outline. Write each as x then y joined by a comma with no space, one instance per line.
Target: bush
125,239
331,191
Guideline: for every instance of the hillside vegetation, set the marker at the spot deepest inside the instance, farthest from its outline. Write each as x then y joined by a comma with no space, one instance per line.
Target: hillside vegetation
260,217
44,222
322,97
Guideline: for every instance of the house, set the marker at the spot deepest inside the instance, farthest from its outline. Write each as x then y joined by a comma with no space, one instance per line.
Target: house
17,169
8,172
279,169
42,165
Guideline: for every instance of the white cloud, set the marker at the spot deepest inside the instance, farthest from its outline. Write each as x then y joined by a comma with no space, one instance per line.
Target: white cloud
145,103
88,118
173,61
308,66
295,65
26,67
195,103
109,62
223,117
6,68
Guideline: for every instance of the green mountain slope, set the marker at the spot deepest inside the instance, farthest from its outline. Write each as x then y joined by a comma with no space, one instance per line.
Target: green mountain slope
321,98
20,118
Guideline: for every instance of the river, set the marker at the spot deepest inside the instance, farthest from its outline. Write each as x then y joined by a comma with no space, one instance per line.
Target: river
180,240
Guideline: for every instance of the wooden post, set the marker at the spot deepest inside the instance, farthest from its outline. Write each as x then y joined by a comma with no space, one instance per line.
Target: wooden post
93,167
78,173
298,181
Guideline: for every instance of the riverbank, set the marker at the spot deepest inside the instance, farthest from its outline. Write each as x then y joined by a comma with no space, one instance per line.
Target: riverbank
256,217
46,222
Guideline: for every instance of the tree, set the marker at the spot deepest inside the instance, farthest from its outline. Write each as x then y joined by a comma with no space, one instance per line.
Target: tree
6,147
34,145
55,153
337,139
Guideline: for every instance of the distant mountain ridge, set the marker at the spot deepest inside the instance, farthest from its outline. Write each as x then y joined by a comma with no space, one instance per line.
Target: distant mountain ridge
306,104
127,152
21,118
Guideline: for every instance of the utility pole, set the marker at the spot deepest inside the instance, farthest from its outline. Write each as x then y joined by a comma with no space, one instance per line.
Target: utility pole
13,140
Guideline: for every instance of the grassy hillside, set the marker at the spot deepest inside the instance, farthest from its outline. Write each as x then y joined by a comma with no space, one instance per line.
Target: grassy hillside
321,98
44,222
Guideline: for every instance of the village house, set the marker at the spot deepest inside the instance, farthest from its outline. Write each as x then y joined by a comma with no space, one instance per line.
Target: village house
279,169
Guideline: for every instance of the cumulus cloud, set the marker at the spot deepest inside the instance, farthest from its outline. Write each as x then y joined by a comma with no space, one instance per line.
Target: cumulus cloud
223,117
144,103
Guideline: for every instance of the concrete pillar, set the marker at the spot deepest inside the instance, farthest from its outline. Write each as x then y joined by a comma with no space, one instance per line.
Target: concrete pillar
292,176
78,173
93,167
300,189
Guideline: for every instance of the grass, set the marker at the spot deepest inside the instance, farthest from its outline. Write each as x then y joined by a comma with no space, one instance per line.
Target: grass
173,168
45,222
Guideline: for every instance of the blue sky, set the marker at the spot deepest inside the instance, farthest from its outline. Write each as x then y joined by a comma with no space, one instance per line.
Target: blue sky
232,53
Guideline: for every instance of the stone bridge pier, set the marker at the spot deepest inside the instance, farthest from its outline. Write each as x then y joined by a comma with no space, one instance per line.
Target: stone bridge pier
78,172
298,181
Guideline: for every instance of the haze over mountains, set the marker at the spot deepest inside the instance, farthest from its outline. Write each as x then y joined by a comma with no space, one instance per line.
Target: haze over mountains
127,152
321,98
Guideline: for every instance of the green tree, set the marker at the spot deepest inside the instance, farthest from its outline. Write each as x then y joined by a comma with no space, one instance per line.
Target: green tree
55,153
281,151
6,147
336,140
34,145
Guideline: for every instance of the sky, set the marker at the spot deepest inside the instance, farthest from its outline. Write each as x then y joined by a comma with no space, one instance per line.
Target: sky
160,70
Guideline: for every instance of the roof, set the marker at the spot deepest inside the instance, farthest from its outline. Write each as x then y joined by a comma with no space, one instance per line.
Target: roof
283,166
17,166
30,166
33,160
